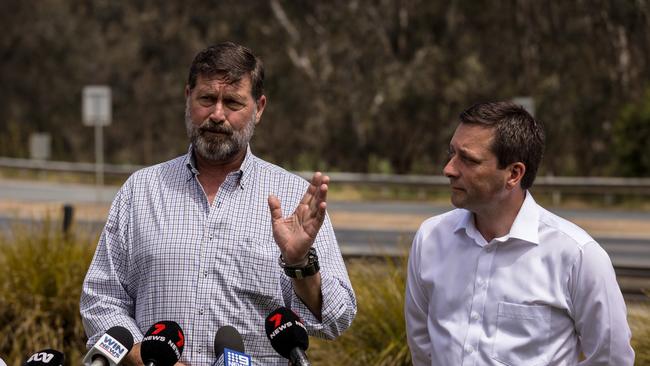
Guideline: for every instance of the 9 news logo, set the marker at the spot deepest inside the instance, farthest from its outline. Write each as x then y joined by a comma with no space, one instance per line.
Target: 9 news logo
234,358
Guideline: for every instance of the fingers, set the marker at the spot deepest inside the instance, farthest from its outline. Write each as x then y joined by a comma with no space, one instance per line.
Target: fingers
317,191
275,208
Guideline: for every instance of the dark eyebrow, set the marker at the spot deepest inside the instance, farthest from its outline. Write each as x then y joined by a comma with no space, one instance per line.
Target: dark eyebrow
234,96
466,153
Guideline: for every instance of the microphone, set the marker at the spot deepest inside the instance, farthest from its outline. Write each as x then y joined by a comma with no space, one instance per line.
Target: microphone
229,348
163,344
288,335
111,348
49,357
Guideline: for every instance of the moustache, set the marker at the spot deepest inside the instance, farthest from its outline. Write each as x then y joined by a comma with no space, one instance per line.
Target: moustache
211,126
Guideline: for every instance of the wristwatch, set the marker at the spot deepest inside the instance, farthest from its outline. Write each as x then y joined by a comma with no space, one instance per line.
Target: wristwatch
302,271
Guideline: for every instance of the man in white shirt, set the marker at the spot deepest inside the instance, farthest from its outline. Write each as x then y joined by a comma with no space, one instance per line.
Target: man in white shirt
500,280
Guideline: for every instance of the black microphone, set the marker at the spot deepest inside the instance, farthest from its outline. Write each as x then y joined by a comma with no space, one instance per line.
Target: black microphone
288,336
111,348
229,348
46,357
163,344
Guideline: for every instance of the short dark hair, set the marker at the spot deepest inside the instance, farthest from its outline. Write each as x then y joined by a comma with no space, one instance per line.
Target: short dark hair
518,136
231,62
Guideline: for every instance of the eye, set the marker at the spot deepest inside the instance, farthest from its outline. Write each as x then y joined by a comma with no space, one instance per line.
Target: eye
206,100
450,153
469,160
233,104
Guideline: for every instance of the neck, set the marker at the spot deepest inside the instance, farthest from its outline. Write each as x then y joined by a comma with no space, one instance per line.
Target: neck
213,173
219,167
496,220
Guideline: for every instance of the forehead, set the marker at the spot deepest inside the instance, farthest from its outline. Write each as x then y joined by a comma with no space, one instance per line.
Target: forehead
218,84
473,137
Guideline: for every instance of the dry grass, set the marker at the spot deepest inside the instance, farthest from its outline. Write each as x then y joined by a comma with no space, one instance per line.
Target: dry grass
41,272
378,334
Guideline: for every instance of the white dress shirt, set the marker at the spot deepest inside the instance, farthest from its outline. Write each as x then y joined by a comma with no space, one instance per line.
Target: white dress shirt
539,295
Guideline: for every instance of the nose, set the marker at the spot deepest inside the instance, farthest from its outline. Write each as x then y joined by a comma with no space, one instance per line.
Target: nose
218,113
449,170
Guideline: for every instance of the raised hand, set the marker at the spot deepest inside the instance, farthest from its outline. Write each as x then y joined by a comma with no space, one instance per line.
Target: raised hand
295,234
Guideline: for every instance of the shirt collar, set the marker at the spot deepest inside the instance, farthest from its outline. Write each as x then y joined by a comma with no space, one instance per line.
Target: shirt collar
244,172
525,227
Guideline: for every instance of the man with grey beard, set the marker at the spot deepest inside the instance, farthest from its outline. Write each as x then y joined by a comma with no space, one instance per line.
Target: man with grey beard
218,236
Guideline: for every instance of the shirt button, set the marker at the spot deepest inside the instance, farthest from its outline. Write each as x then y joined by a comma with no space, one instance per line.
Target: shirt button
205,273
200,311
480,282
488,249
469,349
475,315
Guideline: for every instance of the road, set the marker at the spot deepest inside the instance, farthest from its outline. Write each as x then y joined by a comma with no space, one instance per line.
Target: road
363,228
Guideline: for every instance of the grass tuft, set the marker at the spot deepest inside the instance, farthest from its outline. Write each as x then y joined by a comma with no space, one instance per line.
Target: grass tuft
378,334
41,272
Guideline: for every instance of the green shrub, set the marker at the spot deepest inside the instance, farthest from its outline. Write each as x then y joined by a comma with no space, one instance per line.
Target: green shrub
41,274
378,334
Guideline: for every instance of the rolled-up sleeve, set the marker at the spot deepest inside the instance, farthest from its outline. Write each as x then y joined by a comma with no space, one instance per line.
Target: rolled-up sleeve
599,310
105,301
339,303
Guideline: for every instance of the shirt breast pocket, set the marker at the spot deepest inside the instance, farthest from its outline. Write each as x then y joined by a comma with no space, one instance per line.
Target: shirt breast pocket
257,274
522,334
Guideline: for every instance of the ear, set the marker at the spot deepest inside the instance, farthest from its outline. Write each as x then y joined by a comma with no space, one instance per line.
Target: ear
516,174
261,103
187,91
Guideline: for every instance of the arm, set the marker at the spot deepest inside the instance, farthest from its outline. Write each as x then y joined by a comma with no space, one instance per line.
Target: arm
325,301
598,309
105,301
416,310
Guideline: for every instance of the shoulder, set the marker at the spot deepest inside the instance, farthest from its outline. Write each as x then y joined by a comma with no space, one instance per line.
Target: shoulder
566,232
443,222
277,175
436,230
149,177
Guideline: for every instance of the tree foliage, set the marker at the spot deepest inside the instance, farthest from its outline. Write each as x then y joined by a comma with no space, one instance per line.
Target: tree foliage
631,136
357,86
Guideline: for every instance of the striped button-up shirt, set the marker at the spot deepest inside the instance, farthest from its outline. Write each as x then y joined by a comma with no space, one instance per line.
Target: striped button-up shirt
167,254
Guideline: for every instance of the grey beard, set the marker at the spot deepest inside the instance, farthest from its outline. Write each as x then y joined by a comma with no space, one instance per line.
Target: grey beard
221,147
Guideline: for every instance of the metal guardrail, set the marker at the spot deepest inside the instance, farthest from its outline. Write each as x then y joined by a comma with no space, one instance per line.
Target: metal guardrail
602,185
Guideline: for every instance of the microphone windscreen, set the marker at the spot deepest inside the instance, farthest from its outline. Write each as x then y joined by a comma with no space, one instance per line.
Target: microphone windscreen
121,335
112,347
286,332
228,337
49,357
163,344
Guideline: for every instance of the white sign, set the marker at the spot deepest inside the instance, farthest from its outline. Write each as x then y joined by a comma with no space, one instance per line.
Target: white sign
39,147
96,105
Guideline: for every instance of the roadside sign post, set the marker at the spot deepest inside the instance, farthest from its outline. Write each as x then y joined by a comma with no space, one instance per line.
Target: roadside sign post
97,111
40,146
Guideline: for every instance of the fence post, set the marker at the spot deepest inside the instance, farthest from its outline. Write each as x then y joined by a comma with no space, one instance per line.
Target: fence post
68,213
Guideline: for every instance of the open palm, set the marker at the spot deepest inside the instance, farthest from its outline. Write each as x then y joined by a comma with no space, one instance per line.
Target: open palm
295,234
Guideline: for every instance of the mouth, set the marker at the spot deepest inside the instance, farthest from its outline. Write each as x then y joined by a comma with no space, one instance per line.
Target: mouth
215,132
